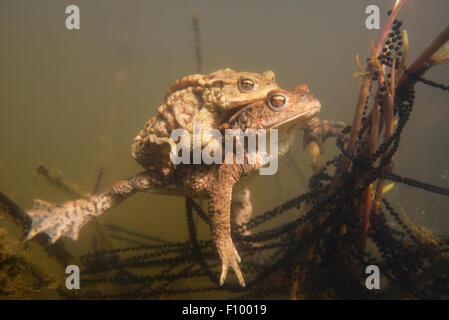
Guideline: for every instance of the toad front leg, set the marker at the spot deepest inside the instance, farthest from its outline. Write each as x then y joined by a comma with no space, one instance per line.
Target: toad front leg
220,213
318,130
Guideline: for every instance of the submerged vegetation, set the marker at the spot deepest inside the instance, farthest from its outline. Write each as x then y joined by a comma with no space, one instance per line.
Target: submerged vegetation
342,224
18,276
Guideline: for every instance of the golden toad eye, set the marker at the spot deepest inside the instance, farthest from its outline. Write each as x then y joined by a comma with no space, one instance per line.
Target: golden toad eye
277,101
246,84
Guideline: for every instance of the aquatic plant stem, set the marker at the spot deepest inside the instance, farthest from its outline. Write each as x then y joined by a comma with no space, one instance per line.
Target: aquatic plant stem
98,181
57,180
366,205
423,62
364,93
408,79
197,41
345,162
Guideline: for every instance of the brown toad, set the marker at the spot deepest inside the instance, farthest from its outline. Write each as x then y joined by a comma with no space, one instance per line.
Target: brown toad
206,98
279,110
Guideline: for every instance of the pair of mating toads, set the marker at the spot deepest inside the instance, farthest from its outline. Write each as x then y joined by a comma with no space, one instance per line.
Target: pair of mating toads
222,99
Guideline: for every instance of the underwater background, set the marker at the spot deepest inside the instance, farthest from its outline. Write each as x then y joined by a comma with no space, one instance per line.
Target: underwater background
74,100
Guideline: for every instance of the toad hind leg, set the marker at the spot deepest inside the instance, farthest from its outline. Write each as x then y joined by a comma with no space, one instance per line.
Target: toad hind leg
220,212
68,218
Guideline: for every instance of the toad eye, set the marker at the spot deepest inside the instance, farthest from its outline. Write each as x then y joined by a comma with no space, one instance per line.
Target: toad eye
277,101
246,84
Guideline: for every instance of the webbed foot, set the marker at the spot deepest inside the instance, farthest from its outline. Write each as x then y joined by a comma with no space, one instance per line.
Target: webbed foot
60,219
229,258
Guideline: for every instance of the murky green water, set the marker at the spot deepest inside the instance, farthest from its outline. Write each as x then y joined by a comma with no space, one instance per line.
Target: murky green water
75,99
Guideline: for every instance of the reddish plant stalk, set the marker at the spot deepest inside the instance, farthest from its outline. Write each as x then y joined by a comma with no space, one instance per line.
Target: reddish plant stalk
363,95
